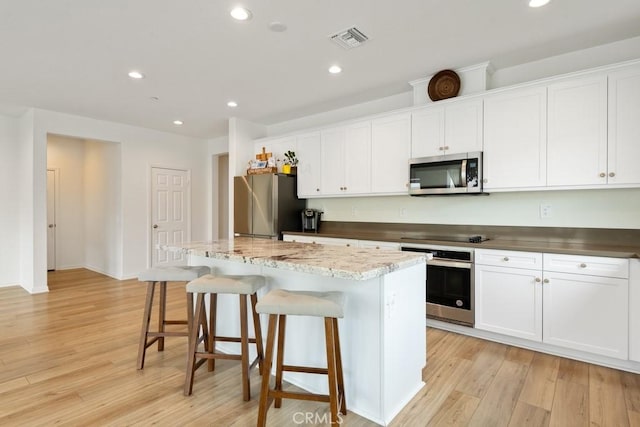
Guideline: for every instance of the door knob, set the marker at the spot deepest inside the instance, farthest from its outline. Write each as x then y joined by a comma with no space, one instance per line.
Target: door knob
50,225
155,225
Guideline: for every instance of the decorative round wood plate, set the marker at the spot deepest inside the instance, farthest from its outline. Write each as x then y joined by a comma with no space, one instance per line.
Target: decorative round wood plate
444,84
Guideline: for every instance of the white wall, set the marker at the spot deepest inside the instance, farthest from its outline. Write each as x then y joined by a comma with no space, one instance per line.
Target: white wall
140,150
10,196
241,136
615,208
102,208
68,156
606,54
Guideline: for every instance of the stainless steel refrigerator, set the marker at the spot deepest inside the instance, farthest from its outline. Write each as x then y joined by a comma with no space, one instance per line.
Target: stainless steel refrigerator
266,205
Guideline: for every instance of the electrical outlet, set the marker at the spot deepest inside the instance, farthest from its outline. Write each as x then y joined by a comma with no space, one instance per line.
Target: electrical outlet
545,210
354,211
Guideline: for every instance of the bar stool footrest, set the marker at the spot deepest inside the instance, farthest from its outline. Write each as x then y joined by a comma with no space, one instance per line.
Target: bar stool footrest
277,394
305,369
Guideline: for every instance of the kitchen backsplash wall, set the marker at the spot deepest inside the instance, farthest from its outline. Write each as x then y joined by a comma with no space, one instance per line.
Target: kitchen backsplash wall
607,208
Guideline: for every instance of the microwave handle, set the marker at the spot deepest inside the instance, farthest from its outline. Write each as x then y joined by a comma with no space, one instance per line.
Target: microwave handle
463,173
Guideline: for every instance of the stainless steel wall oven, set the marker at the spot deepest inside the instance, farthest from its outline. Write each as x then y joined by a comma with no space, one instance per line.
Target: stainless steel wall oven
450,283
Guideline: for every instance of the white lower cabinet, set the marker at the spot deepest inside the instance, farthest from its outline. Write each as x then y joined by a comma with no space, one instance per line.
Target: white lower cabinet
314,238
570,301
509,301
634,310
335,241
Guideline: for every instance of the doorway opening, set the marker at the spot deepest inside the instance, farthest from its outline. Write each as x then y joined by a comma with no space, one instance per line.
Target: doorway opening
86,228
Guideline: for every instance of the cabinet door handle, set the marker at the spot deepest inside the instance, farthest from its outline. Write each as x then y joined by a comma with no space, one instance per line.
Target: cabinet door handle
446,147
441,148
505,259
602,174
348,244
485,180
612,174
538,280
583,265
317,189
545,281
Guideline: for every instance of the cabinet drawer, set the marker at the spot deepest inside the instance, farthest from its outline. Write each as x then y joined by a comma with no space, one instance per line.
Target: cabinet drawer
373,244
589,265
515,259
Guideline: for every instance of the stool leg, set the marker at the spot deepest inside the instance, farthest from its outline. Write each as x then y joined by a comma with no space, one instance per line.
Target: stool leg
244,348
194,328
211,338
258,331
280,358
162,314
341,395
146,319
331,369
266,372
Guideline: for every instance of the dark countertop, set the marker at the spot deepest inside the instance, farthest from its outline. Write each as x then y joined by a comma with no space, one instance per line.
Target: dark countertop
615,243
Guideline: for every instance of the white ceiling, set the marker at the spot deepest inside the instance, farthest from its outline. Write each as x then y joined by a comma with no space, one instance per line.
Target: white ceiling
73,55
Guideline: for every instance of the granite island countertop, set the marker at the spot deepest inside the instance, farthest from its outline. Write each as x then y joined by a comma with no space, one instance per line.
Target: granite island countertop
332,261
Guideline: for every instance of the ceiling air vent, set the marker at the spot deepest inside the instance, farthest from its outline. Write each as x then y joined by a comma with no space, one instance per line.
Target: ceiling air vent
349,38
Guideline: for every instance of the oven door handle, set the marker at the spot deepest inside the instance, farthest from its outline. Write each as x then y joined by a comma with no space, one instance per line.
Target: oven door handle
453,264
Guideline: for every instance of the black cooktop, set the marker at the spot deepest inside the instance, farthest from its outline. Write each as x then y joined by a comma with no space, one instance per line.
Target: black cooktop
458,239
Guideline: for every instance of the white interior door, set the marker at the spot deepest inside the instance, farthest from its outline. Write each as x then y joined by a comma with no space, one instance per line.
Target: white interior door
170,212
51,219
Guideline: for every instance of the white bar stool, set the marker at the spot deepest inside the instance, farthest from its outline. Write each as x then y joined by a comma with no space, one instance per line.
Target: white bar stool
279,304
162,275
244,286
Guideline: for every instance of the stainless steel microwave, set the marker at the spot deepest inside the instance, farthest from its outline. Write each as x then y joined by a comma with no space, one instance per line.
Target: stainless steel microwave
448,174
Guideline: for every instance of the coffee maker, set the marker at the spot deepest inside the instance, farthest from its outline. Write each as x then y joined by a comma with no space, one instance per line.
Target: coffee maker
311,220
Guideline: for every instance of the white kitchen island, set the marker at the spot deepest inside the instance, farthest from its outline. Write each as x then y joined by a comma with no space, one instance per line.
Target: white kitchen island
382,335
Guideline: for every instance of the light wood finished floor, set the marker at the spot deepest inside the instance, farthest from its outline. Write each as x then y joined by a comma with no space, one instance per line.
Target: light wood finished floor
68,357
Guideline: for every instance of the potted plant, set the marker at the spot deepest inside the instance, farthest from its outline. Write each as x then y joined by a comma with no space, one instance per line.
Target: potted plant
290,163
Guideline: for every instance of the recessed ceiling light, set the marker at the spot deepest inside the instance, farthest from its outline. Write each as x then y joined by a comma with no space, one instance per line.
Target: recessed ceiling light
178,122
240,13
537,3
136,75
335,69
232,104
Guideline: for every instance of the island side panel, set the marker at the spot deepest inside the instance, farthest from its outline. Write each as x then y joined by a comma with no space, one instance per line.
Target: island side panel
404,337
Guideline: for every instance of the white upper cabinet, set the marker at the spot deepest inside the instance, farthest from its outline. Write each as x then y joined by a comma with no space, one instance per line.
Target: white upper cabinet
449,129
624,126
346,159
308,154
390,152
577,132
515,139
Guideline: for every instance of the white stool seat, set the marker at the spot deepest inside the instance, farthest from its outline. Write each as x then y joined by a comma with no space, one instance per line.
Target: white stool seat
302,303
173,273
241,285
